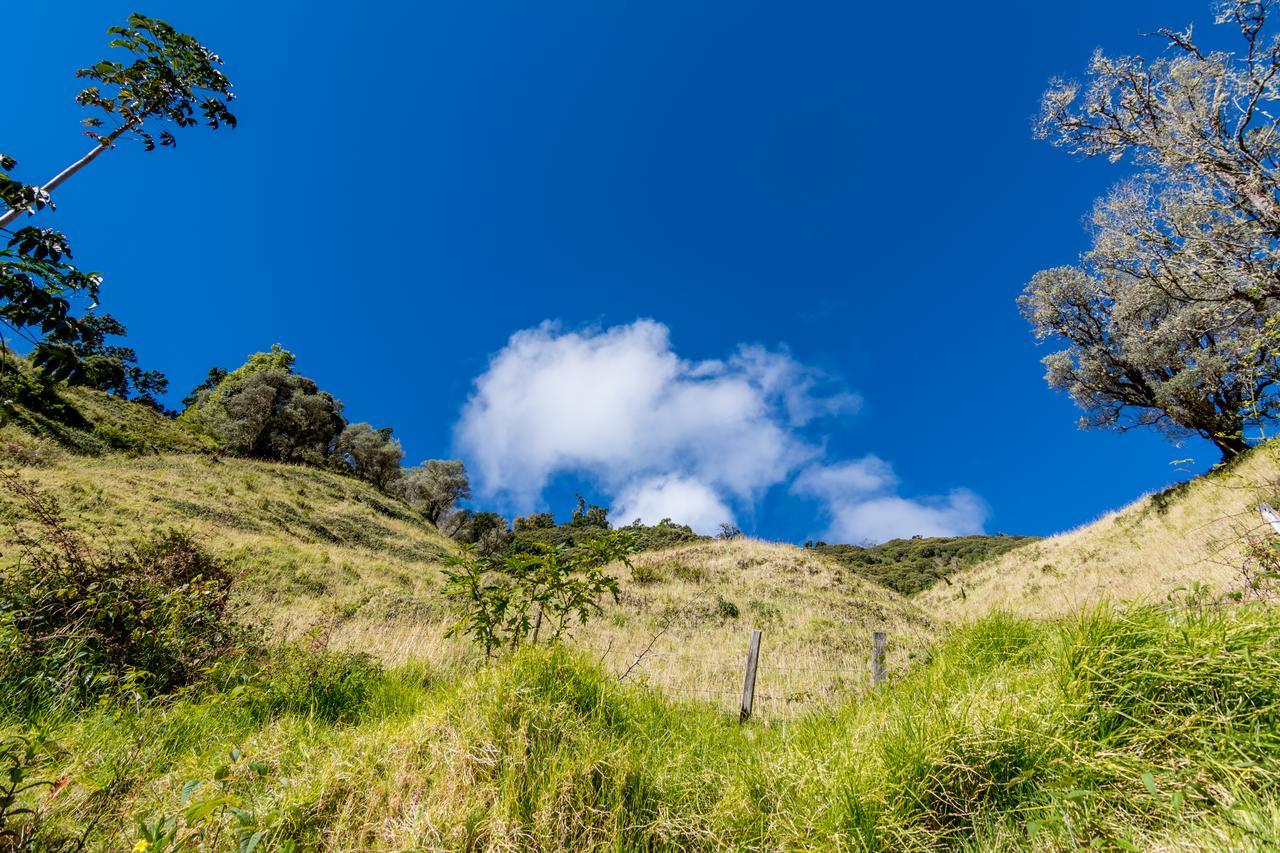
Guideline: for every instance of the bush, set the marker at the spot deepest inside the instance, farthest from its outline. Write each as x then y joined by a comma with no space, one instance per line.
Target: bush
504,600
76,622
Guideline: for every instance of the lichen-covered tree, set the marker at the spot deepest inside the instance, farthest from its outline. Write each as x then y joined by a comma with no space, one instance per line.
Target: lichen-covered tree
372,453
1203,221
435,487
1135,357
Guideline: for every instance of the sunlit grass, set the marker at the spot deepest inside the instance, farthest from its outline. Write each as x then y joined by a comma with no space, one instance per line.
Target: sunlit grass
1138,729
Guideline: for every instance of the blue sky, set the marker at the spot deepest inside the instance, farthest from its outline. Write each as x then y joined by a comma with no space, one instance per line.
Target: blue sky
853,192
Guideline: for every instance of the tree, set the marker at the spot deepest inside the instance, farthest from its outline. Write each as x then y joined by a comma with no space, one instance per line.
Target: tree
729,530
589,515
1169,317
168,77
277,415
434,487
114,369
1204,221
37,283
488,532
201,392
535,521
1136,357
263,409
372,453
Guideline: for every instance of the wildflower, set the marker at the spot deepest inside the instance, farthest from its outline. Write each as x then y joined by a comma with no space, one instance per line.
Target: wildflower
141,846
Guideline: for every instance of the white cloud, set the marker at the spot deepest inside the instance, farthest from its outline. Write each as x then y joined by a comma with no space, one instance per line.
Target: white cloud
620,406
891,517
861,500
845,479
664,436
683,500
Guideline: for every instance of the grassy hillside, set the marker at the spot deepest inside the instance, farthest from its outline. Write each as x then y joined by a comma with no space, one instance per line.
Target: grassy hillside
1191,534
317,549
1132,732
86,421
1141,729
911,565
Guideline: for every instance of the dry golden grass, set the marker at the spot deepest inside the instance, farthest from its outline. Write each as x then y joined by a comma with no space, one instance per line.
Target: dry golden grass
701,600
1156,546
318,549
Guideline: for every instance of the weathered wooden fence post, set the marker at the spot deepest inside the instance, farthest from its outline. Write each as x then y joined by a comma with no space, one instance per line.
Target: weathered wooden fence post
1270,516
749,683
877,658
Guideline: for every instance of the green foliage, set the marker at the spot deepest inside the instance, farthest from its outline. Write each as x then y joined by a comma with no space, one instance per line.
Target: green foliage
197,395
503,600
166,77
1154,728
264,410
585,515
37,282
76,623
535,521
21,756
112,368
372,453
533,532
117,438
214,810
911,565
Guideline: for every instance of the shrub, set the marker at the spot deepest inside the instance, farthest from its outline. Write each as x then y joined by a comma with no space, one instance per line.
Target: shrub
644,573
499,597
76,622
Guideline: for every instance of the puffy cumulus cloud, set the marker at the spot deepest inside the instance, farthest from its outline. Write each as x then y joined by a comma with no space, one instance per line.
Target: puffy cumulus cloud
861,500
668,437
621,406
681,499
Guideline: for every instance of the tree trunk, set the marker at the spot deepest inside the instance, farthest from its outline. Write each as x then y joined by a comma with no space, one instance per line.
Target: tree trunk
1231,446
59,179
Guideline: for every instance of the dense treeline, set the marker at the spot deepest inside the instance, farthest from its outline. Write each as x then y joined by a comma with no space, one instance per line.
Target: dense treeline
911,565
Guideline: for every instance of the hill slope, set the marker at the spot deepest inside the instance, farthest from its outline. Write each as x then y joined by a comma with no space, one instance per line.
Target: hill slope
1190,534
316,548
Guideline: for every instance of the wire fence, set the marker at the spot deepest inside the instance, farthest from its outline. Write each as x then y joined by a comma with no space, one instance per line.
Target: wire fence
787,679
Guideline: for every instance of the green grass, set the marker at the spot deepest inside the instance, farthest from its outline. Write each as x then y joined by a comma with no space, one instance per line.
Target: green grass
1138,730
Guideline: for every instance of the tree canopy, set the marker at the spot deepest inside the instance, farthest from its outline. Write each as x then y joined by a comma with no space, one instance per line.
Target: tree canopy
1168,319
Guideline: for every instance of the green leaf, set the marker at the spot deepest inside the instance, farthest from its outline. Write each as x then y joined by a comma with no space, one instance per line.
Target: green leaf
1149,781
190,787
